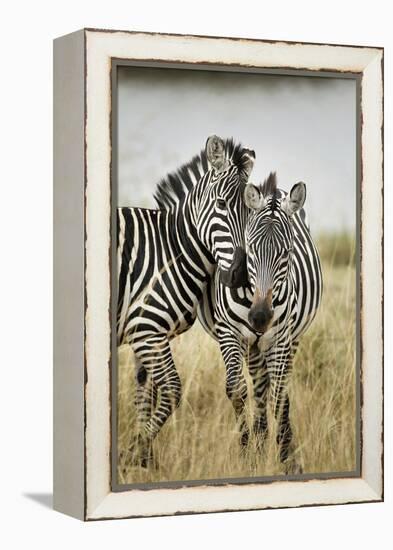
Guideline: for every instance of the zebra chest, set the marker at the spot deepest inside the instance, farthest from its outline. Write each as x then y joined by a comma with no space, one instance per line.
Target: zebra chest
231,309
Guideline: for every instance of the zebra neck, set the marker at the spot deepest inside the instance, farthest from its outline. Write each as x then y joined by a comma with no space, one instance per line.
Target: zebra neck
183,235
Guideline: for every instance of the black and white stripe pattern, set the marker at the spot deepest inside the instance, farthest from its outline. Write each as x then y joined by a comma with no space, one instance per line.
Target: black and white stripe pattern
263,322
165,260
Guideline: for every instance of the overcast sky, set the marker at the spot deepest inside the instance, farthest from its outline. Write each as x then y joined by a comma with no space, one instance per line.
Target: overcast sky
304,128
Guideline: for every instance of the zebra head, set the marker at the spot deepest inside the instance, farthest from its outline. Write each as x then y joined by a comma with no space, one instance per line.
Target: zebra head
269,240
221,218
206,197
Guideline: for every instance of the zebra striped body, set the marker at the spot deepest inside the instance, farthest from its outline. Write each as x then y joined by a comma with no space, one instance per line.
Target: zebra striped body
160,282
286,290
165,260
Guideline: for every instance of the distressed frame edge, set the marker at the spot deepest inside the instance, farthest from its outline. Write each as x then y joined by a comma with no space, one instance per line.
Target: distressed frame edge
69,489
362,493
235,38
372,174
375,495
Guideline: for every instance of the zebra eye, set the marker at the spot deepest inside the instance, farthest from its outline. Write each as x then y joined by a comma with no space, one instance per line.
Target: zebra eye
221,204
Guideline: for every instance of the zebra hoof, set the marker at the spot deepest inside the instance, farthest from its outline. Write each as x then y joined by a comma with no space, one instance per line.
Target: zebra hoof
139,454
144,454
260,439
292,467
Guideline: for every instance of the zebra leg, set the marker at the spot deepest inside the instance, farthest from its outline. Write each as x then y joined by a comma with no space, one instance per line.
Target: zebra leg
285,430
236,387
260,378
156,359
146,395
145,403
279,364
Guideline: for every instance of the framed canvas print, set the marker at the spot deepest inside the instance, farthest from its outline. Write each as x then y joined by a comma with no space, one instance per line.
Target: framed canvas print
218,274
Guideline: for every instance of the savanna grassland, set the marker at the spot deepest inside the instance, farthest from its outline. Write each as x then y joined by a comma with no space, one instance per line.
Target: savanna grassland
201,440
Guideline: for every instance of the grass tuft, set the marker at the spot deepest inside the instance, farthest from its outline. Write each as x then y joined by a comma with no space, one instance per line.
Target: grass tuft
337,249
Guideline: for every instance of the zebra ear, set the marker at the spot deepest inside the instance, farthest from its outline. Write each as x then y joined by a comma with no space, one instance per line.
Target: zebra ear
294,201
253,197
215,152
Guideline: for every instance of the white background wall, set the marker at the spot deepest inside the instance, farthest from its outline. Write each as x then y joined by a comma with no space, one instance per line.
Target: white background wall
26,173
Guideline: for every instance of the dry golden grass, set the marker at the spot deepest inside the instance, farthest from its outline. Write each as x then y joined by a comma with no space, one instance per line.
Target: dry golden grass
201,440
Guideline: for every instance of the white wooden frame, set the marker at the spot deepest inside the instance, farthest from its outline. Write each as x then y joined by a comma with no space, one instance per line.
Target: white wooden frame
82,383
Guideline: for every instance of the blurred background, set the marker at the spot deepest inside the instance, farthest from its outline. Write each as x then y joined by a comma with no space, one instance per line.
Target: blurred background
302,127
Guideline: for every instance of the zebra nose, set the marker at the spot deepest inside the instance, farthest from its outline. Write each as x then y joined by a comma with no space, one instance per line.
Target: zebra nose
257,318
260,316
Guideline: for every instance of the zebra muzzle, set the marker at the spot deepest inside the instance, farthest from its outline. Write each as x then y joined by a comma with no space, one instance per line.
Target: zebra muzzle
236,275
261,312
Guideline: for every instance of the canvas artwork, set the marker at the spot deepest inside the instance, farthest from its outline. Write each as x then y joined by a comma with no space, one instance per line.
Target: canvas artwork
218,274
236,277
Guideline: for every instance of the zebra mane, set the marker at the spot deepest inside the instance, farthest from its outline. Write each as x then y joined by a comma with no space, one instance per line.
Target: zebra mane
269,189
176,185
269,186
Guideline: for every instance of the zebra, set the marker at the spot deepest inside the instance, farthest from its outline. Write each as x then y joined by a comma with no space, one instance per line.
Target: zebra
165,259
265,319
